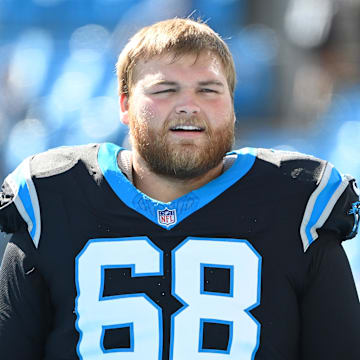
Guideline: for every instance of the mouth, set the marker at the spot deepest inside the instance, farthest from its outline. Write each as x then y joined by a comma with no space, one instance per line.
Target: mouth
187,128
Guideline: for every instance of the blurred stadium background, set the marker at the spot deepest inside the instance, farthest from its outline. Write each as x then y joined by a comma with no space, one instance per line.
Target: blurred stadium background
297,63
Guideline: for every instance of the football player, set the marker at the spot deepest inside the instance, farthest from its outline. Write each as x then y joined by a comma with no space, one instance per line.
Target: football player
181,248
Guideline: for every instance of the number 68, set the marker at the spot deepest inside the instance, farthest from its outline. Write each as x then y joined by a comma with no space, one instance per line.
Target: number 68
144,317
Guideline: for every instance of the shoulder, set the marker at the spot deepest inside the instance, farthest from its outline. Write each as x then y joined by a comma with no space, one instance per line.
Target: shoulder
290,165
59,160
294,165
303,171
19,203
331,198
50,163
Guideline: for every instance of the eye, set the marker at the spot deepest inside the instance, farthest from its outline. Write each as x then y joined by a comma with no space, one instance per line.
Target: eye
207,90
164,91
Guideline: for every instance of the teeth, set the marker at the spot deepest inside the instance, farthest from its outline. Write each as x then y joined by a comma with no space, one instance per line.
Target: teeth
186,127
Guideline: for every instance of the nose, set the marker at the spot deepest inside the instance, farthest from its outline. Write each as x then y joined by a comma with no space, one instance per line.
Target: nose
187,107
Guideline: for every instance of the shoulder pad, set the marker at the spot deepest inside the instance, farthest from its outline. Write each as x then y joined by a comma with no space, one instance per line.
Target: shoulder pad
332,196
296,165
19,188
59,160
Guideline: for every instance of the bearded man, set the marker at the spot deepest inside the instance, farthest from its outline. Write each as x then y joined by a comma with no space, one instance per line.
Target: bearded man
181,248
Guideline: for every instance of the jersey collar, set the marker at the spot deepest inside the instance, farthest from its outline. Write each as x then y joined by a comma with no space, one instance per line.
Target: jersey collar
169,214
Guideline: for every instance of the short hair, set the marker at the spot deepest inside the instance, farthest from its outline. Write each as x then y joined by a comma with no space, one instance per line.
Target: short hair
175,36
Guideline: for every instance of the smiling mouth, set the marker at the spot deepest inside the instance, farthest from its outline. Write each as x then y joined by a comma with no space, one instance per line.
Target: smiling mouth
189,128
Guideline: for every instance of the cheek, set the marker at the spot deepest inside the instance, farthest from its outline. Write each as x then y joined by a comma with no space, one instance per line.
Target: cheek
220,110
152,113
143,111
147,112
146,109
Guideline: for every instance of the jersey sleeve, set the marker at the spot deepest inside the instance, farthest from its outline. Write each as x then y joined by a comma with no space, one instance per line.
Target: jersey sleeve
330,308
333,205
19,203
25,318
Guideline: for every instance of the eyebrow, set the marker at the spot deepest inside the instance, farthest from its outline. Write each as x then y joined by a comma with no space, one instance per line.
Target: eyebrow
164,82
174,83
211,82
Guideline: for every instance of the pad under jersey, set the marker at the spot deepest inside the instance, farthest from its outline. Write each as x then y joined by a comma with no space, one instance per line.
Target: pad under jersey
249,266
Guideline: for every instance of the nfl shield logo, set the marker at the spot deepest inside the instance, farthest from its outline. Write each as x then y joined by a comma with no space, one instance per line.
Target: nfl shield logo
166,217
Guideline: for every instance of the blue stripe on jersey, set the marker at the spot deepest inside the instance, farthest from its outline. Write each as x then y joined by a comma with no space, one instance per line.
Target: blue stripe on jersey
321,203
168,215
26,199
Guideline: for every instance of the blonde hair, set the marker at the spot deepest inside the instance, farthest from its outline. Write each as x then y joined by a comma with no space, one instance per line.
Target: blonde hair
175,36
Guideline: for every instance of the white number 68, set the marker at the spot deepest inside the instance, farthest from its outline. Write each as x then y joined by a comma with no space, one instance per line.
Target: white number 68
143,317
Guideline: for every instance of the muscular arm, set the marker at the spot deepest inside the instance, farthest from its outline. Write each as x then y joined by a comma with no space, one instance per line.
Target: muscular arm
24,303
330,307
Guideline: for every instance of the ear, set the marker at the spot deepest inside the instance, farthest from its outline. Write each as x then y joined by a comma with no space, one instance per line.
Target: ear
124,108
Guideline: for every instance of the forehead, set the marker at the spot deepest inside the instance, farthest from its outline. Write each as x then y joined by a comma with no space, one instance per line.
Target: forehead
203,65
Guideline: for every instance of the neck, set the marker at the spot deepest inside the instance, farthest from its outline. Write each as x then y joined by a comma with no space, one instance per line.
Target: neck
166,189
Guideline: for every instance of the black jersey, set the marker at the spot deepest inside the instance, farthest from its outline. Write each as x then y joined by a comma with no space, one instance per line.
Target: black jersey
249,266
